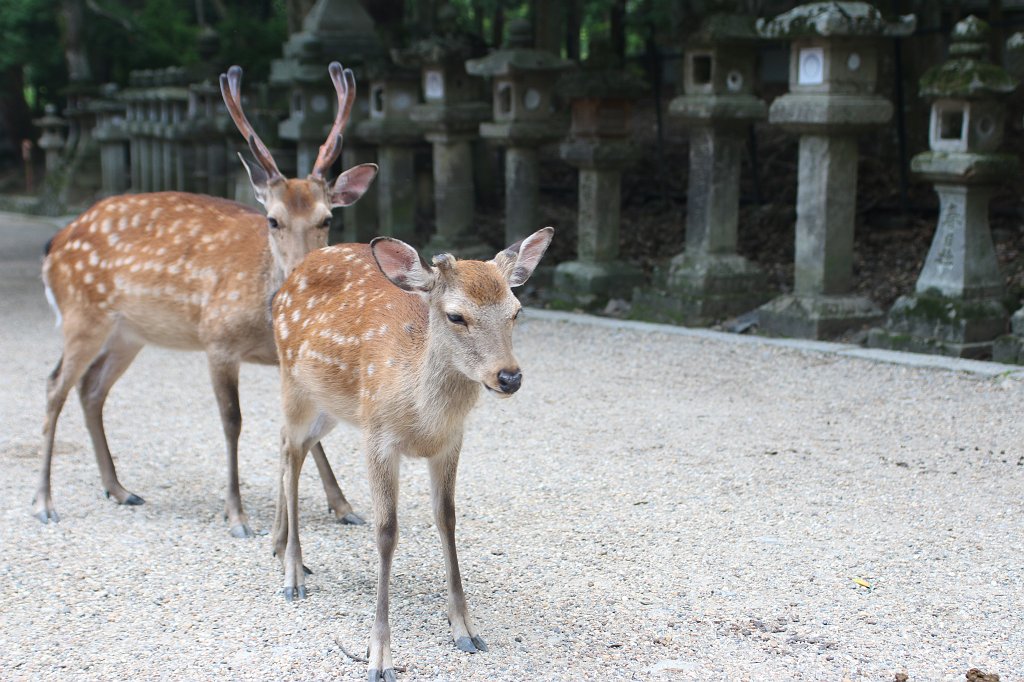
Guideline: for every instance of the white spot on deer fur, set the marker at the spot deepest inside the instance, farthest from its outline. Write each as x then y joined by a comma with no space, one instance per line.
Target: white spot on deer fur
122,223
143,202
113,239
295,315
390,362
79,265
106,225
94,259
383,330
234,296
369,334
302,284
282,330
156,212
136,220
101,287
88,278
162,250
239,276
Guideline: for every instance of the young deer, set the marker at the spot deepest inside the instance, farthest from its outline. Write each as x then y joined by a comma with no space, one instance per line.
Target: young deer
375,336
190,272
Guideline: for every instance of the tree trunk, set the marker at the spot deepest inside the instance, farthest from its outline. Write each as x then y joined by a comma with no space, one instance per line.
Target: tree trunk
547,25
618,30
498,26
14,112
72,14
573,21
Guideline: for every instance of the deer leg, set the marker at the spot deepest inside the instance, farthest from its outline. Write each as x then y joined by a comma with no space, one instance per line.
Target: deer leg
443,468
293,453
117,355
224,374
383,474
336,501
80,348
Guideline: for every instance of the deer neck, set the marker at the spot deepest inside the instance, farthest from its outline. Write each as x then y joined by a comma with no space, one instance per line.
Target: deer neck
274,272
443,392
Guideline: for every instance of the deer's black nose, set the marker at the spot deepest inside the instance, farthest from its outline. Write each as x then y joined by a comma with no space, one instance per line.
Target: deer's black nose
509,382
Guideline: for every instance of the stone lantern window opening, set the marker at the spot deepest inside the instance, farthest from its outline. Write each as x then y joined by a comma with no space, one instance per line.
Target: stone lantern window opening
377,106
811,65
701,66
297,108
951,123
433,85
503,100
532,99
734,81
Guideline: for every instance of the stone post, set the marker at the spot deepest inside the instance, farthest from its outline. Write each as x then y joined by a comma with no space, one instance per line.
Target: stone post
956,308
709,281
599,146
52,139
112,138
833,71
450,117
393,93
524,119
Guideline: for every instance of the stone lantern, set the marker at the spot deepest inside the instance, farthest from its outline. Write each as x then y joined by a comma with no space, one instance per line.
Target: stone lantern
450,117
524,118
599,146
52,139
394,91
341,30
709,280
956,308
832,79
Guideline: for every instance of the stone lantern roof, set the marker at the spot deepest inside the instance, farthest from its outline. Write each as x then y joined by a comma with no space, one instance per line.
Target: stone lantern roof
599,77
517,55
449,45
835,19
967,74
724,29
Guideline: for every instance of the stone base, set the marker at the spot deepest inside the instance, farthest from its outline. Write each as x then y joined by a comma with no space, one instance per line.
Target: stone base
1009,348
701,290
942,326
816,317
590,285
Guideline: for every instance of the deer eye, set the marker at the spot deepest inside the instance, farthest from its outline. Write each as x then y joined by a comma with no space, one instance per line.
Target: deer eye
327,222
516,316
455,318
273,223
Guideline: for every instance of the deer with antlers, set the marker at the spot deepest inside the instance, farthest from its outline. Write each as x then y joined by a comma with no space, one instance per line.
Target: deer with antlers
191,272
375,336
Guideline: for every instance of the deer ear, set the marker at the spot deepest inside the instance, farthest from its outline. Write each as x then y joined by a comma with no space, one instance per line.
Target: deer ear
518,261
403,265
258,178
352,184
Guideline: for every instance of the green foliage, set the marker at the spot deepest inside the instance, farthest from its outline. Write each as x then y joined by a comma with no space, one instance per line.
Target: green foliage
30,39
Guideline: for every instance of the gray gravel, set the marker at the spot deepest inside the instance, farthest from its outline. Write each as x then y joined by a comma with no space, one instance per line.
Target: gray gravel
649,505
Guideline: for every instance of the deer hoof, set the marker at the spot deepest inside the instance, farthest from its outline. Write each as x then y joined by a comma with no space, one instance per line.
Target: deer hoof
242,530
47,515
387,675
133,500
293,593
470,645
352,519
306,570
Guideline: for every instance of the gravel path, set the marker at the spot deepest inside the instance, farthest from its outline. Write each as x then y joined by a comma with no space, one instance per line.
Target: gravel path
649,505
